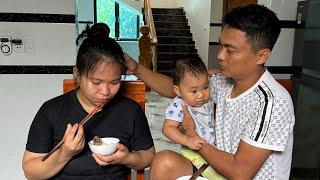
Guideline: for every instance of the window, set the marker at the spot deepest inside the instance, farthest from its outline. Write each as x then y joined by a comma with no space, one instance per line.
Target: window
123,21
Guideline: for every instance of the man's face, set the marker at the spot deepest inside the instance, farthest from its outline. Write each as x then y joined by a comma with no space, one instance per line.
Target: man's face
236,58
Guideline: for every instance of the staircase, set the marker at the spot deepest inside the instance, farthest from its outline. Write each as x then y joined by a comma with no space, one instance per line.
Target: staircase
174,37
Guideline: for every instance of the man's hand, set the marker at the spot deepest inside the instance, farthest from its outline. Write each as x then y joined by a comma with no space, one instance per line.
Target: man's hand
131,64
195,142
187,126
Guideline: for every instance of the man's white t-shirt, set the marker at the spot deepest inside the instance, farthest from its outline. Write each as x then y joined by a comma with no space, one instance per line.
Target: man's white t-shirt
263,117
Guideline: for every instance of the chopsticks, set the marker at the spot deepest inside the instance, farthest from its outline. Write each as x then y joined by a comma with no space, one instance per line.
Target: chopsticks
199,171
82,122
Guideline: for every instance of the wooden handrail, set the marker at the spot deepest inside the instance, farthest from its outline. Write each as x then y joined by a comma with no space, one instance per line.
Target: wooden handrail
150,22
148,50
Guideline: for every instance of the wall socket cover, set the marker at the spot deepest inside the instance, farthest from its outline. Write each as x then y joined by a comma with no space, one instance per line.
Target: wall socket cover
19,47
5,45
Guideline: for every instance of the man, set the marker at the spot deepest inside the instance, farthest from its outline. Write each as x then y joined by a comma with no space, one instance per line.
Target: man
254,114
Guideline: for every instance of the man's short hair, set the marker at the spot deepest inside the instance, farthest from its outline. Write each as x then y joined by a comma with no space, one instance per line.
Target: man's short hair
261,25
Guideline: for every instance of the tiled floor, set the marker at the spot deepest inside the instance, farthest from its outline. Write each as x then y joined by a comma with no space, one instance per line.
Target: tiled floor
155,108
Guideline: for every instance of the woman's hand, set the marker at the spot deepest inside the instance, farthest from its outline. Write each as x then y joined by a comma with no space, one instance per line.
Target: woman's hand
131,64
74,141
119,157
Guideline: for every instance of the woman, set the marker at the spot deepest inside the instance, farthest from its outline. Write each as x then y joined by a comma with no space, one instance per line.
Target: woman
98,70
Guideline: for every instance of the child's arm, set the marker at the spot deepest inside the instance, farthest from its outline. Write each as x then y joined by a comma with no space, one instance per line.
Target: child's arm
171,131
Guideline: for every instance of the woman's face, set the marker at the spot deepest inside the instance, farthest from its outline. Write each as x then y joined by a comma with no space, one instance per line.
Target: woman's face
101,84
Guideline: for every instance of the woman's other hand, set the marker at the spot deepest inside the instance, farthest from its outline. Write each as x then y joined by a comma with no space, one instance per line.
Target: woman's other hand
74,141
119,157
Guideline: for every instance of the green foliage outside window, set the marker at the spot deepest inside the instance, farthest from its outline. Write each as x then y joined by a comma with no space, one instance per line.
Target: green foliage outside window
128,23
127,19
106,14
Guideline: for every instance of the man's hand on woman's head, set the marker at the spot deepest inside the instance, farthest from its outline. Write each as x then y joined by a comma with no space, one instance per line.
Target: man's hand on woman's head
131,64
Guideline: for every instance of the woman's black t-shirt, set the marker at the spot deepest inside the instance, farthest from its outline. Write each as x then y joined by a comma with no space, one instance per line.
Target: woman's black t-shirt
121,118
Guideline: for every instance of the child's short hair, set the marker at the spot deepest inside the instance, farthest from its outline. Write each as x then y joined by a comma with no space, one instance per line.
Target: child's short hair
191,64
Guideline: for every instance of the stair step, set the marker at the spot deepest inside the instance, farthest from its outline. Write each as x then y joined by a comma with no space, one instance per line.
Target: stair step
177,11
167,56
176,48
166,72
174,37
173,32
172,25
169,18
162,65
175,40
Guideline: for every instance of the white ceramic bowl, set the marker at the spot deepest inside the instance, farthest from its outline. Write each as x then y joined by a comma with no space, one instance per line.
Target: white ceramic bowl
188,177
108,146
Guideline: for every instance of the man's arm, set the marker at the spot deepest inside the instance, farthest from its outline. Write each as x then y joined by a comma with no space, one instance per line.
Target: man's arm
243,165
160,83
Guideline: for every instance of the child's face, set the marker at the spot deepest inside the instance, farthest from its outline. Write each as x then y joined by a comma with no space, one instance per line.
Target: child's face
101,85
195,91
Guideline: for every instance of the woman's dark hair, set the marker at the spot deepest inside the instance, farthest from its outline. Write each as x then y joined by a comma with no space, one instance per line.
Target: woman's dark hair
96,46
261,25
191,64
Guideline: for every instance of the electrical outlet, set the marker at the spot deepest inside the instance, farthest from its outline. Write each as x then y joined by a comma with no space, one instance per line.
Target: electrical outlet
5,45
18,46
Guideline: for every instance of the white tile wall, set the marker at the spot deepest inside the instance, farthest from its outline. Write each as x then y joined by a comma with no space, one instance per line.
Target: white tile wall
53,44
21,95
38,6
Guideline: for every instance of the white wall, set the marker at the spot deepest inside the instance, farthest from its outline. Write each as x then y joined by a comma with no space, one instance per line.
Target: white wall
21,95
137,5
53,44
163,4
283,49
198,14
38,6
216,17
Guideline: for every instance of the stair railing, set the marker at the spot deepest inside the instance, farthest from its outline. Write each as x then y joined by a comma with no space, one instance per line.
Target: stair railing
148,42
